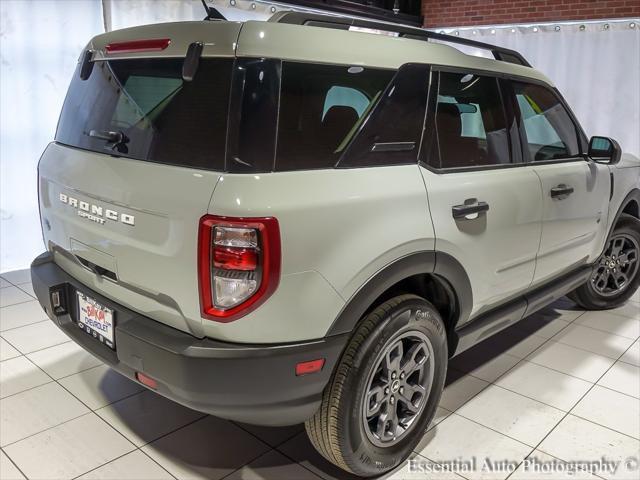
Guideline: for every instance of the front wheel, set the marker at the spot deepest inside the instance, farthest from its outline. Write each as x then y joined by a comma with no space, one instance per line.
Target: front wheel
385,389
616,275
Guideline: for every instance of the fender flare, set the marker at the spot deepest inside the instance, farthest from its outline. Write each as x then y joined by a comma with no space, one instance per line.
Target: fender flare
633,195
436,263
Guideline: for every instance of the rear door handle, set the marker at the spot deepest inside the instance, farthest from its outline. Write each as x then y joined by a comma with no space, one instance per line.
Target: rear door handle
562,191
469,207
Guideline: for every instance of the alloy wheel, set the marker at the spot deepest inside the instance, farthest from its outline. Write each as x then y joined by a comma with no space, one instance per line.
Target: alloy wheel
398,388
617,267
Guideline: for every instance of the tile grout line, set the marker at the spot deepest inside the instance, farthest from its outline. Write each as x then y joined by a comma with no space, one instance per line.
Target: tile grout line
271,448
25,325
156,462
13,463
137,449
547,340
90,410
296,462
520,360
608,331
26,389
111,426
16,284
14,347
33,351
103,464
37,367
31,299
548,404
55,379
28,293
569,413
256,436
46,429
637,439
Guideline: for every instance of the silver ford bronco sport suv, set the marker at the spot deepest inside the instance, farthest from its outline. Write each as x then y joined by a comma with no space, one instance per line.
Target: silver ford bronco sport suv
300,220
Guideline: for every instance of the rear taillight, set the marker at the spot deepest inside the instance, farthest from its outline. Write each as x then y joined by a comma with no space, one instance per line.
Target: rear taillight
238,263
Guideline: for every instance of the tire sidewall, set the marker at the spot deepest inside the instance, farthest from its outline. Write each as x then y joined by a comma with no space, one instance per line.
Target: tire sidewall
411,314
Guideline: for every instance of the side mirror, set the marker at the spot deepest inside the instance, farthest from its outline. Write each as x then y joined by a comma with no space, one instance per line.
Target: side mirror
604,150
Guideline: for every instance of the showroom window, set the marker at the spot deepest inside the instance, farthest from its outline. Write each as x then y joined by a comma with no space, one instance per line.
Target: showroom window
143,109
391,134
470,123
550,132
321,108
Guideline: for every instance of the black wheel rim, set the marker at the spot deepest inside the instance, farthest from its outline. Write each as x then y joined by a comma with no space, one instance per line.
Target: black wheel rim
398,388
617,267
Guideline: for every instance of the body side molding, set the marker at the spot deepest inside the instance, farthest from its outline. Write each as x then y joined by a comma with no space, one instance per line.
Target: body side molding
507,314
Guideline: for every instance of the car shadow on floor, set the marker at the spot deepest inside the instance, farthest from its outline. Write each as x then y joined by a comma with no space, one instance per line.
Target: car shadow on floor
212,448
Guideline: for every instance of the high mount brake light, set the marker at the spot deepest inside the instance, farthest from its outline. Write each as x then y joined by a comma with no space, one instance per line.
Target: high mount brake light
149,45
238,265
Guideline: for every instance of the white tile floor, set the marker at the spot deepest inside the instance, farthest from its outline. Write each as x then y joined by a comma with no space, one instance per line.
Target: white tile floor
559,387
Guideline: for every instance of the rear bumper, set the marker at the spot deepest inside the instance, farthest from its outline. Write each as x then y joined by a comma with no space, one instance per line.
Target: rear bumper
249,383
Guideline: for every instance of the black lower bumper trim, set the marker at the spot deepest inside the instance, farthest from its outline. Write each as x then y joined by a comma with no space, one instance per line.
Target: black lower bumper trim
249,383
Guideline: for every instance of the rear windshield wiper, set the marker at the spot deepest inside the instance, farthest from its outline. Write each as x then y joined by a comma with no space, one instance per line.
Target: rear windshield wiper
111,137
118,139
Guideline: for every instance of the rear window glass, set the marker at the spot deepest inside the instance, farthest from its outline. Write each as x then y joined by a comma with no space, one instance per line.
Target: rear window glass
321,109
143,109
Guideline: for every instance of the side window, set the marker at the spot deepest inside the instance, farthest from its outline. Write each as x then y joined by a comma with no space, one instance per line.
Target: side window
321,106
470,123
391,134
550,132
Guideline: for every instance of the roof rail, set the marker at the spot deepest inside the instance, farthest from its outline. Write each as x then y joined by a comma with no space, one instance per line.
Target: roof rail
415,33
372,9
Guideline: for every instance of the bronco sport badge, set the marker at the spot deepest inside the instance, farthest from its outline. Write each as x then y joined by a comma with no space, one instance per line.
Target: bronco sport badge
96,213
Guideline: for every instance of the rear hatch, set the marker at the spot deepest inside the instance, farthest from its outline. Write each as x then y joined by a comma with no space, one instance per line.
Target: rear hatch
138,153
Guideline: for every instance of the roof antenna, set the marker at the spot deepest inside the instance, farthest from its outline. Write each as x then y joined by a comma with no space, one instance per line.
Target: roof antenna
212,13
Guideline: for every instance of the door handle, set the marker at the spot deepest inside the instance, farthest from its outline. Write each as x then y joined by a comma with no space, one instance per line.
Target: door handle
562,191
469,207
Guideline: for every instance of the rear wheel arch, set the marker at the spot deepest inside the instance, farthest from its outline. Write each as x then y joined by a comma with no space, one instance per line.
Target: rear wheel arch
435,276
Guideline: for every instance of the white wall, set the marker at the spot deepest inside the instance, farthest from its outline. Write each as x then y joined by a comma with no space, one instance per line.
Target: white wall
596,66
40,42
597,70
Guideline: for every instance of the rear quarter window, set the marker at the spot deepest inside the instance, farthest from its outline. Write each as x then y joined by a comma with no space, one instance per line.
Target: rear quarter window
321,109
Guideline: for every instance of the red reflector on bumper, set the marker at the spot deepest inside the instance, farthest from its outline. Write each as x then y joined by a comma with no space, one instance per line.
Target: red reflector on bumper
147,381
313,366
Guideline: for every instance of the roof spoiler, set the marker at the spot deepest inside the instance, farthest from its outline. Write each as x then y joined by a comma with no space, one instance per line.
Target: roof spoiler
415,33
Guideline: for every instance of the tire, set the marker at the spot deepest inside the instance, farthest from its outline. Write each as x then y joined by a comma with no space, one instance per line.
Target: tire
601,294
339,429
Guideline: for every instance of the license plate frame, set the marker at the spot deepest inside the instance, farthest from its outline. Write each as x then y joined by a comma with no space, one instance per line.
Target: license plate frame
96,319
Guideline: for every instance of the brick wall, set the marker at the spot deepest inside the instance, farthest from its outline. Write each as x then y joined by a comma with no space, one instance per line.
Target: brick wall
488,12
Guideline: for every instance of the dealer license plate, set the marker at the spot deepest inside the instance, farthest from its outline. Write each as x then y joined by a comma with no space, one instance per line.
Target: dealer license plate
95,319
